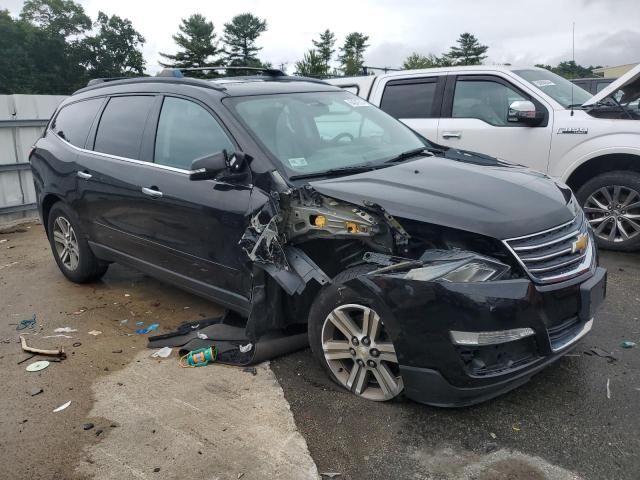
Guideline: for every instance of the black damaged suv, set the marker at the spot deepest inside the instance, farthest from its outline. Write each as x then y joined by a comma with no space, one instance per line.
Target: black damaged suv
445,274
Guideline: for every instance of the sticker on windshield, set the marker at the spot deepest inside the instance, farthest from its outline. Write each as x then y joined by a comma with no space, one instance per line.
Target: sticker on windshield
357,102
298,162
543,83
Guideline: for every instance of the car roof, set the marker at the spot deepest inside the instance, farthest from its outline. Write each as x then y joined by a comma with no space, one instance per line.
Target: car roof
225,86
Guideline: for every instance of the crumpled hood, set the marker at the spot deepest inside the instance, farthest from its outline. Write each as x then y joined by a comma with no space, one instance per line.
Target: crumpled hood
486,197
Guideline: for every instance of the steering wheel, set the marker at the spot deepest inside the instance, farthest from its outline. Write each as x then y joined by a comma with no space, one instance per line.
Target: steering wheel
342,135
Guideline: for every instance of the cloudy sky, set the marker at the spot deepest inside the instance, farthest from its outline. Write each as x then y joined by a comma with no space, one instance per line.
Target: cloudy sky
517,32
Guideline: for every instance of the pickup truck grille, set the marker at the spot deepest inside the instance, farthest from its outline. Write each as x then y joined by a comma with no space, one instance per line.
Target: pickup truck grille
556,254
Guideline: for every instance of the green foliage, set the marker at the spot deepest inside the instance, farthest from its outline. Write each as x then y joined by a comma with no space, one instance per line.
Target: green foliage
114,51
325,49
570,69
240,37
416,61
57,17
352,53
311,65
50,49
199,47
468,52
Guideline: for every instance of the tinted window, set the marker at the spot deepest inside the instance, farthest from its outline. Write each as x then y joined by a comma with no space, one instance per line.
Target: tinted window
186,131
409,100
601,86
121,126
485,100
74,121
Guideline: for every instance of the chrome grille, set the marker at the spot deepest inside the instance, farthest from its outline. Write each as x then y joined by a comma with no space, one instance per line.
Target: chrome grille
551,255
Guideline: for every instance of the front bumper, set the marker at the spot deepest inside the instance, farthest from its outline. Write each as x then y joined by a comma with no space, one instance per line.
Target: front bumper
420,315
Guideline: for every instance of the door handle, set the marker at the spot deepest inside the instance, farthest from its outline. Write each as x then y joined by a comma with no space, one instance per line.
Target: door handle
451,134
84,175
152,192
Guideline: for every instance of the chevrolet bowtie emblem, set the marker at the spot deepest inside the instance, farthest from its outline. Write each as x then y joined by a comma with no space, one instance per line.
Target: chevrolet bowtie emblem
580,245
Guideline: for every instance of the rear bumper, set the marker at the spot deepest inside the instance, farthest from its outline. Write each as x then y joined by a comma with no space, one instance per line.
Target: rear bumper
419,317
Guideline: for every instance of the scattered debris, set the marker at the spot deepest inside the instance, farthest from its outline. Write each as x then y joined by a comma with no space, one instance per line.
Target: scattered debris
240,475
139,324
28,358
79,312
516,427
76,344
202,336
62,407
601,353
56,353
99,432
119,350
4,240
95,333
493,435
127,294
339,420
162,353
123,321
28,323
150,328
37,366
36,391
87,426
330,474
58,335
8,265
199,358
608,389
65,330
252,370
246,348
156,470
628,344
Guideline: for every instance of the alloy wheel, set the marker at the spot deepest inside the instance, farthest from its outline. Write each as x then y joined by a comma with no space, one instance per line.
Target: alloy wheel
360,353
66,243
614,213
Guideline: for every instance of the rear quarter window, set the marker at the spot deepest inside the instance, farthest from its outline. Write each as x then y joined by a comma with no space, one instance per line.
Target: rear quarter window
73,121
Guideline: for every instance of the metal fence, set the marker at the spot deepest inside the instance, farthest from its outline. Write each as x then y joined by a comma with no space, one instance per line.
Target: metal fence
22,119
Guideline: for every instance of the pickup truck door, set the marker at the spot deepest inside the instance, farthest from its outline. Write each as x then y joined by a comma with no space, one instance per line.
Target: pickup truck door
475,117
414,100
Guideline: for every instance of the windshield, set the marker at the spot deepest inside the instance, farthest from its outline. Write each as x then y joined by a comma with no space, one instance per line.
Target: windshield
311,133
560,89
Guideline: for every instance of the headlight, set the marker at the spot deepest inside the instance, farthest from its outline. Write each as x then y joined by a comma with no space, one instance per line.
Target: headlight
458,266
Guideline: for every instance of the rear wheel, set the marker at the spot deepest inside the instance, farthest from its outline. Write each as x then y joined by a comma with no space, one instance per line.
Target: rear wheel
70,248
349,339
611,202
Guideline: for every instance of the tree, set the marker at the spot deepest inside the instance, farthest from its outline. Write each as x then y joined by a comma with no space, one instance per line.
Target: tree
325,49
570,69
311,65
199,47
240,37
352,53
115,50
469,51
416,61
56,17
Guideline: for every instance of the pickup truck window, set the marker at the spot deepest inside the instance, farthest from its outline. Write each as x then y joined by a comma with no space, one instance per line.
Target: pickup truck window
485,100
186,131
409,100
310,133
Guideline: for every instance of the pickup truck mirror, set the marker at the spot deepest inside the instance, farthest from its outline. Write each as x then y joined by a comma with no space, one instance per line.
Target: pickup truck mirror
524,111
220,166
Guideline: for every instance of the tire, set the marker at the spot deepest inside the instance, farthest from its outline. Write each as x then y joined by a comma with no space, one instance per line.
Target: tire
70,248
366,363
611,202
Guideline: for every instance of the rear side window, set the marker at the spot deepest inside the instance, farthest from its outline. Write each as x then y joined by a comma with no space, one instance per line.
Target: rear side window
186,132
122,125
74,121
409,100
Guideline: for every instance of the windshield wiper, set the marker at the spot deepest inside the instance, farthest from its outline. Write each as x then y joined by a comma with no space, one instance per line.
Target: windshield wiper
336,171
408,154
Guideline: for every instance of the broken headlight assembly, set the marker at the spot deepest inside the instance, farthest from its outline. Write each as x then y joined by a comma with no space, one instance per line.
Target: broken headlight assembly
457,266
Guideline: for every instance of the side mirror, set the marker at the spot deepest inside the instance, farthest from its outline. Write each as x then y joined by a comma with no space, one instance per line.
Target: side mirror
524,111
220,166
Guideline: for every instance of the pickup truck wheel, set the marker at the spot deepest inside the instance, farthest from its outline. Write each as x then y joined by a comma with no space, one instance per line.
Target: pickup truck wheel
70,248
611,202
348,338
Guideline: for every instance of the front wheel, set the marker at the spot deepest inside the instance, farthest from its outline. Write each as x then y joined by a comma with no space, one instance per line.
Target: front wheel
348,337
611,203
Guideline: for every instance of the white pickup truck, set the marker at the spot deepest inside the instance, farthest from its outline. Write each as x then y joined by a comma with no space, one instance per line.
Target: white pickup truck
532,117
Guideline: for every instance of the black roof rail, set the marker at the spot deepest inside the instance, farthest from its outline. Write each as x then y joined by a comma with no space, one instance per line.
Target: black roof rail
96,81
178,72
